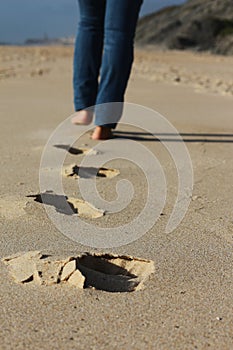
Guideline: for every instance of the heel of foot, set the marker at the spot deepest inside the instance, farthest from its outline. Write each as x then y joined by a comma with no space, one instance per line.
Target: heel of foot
82,118
102,133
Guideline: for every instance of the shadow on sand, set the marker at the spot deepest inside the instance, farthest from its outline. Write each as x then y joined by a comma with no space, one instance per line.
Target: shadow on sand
172,137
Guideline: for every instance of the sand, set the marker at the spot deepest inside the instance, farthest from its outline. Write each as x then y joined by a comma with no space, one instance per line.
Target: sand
186,303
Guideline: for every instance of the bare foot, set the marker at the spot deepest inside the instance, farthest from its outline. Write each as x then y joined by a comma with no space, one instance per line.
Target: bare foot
102,133
82,117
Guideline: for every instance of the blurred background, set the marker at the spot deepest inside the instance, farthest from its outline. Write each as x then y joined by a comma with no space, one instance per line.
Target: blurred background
26,19
170,34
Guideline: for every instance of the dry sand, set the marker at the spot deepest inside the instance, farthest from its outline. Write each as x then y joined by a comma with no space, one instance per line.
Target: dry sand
187,302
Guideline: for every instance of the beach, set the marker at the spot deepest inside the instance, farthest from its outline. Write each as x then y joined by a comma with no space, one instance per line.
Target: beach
186,303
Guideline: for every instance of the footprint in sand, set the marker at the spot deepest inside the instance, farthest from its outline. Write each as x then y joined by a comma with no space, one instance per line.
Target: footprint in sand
75,171
111,273
75,206
78,151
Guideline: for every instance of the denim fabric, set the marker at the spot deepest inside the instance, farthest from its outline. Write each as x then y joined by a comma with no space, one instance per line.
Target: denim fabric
104,46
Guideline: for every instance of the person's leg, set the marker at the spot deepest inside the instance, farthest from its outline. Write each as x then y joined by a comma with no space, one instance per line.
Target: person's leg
87,57
119,31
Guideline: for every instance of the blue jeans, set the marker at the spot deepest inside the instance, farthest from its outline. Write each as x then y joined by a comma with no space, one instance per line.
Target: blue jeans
104,46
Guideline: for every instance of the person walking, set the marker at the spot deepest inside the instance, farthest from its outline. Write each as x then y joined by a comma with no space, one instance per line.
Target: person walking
103,57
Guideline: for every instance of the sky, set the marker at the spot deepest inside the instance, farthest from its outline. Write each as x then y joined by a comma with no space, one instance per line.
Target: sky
23,19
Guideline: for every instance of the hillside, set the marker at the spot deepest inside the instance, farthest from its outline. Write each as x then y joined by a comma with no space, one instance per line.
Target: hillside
203,25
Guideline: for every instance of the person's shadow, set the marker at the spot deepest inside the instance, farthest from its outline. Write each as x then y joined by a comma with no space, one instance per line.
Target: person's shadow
172,137
162,137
